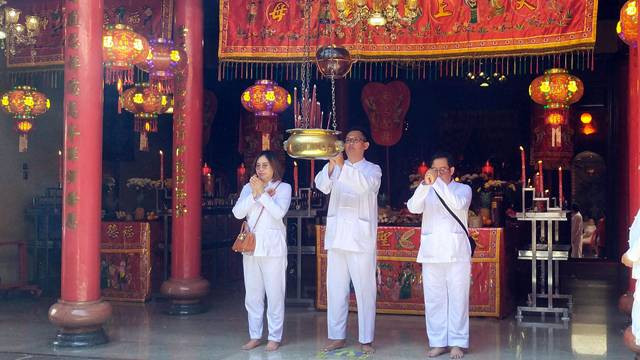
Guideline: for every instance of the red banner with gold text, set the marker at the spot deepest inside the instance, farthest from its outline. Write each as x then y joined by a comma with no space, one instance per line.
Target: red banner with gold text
273,31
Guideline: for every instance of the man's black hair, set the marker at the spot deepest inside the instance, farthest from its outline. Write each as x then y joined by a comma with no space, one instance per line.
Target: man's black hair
443,154
362,130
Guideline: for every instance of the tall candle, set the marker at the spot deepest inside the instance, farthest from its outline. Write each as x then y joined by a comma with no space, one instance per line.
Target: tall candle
240,177
60,169
560,193
312,173
295,178
162,168
541,176
538,188
523,167
295,106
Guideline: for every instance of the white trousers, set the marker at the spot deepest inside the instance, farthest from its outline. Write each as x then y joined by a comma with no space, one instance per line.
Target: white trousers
360,268
446,303
635,314
265,274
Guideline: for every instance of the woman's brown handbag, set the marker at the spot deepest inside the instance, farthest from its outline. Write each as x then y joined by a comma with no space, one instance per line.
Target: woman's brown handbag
246,240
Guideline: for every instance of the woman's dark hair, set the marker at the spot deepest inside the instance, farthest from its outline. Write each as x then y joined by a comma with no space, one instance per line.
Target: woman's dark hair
278,169
443,155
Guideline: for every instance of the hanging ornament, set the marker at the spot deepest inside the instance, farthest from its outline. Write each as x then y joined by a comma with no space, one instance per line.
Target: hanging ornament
122,48
163,61
145,102
556,90
266,100
24,103
627,27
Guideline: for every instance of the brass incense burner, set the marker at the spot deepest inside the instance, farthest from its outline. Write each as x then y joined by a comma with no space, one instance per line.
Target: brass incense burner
313,144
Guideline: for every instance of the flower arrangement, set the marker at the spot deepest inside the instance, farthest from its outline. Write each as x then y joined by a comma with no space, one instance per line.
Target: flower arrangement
141,184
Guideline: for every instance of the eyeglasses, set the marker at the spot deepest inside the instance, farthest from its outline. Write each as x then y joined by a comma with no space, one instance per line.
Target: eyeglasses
441,170
353,140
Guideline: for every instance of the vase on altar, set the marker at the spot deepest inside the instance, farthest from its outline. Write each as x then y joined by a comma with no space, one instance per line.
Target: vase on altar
139,213
496,210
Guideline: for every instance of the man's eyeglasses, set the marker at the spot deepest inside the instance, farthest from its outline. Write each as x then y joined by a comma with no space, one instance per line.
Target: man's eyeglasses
441,170
353,140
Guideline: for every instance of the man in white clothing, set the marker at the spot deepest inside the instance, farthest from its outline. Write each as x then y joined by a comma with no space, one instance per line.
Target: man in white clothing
445,254
350,239
631,258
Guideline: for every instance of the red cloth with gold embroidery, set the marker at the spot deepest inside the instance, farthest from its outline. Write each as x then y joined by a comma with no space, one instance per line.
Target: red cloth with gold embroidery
399,277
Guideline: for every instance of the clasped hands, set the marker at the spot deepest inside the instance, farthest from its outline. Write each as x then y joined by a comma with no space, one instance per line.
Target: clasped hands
337,160
430,177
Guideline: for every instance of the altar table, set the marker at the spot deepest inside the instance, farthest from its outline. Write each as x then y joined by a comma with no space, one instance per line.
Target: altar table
399,277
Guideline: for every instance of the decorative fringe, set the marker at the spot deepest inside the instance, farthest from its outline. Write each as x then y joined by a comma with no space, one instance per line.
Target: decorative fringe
378,70
40,78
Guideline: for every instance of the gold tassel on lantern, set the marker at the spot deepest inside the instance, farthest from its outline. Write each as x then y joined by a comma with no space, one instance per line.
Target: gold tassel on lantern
23,143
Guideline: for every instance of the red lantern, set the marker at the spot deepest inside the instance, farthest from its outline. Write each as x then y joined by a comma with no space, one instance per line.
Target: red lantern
145,102
386,106
24,103
265,98
122,48
162,63
556,90
627,27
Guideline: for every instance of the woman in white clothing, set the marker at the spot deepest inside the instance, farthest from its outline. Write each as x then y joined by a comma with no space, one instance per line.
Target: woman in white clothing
264,201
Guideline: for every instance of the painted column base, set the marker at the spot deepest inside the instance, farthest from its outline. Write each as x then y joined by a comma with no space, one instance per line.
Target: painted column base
186,295
80,323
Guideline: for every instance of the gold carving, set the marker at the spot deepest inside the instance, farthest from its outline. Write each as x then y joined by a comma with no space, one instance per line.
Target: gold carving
72,153
72,198
71,176
72,19
71,221
72,130
72,109
73,41
73,87
74,62
112,231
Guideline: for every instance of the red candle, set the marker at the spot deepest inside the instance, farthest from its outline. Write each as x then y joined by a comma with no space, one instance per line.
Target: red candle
538,188
240,177
312,174
560,194
523,166
162,168
295,178
541,177
487,169
60,169
422,169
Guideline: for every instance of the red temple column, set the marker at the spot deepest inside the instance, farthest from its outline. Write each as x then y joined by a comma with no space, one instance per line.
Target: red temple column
80,311
186,287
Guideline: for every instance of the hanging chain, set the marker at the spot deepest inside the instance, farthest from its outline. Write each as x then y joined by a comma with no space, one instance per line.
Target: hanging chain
305,70
333,102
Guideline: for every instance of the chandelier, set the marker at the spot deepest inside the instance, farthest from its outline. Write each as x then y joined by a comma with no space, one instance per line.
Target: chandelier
380,13
14,33
485,79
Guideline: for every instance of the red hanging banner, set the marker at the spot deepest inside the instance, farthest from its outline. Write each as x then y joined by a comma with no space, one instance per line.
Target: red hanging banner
425,30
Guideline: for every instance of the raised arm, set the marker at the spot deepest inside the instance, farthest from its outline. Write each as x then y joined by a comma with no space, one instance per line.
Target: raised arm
457,200
278,205
361,181
323,181
244,203
417,201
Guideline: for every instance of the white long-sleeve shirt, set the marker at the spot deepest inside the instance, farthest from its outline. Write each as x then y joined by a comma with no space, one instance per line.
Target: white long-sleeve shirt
270,231
442,239
352,217
634,246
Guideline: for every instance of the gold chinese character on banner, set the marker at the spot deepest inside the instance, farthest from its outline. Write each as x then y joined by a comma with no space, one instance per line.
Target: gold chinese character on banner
278,11
442,9
524,3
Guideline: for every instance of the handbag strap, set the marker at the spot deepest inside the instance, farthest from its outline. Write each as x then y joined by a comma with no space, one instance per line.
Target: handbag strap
262,210
452,213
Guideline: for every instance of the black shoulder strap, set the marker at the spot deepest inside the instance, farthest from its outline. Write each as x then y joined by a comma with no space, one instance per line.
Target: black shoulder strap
451,212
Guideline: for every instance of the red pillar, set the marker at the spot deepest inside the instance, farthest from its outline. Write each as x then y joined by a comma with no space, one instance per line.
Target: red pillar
186,287
80,312
633,133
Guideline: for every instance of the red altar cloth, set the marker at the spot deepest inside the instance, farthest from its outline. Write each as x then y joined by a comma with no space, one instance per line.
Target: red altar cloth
399,277
126,259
